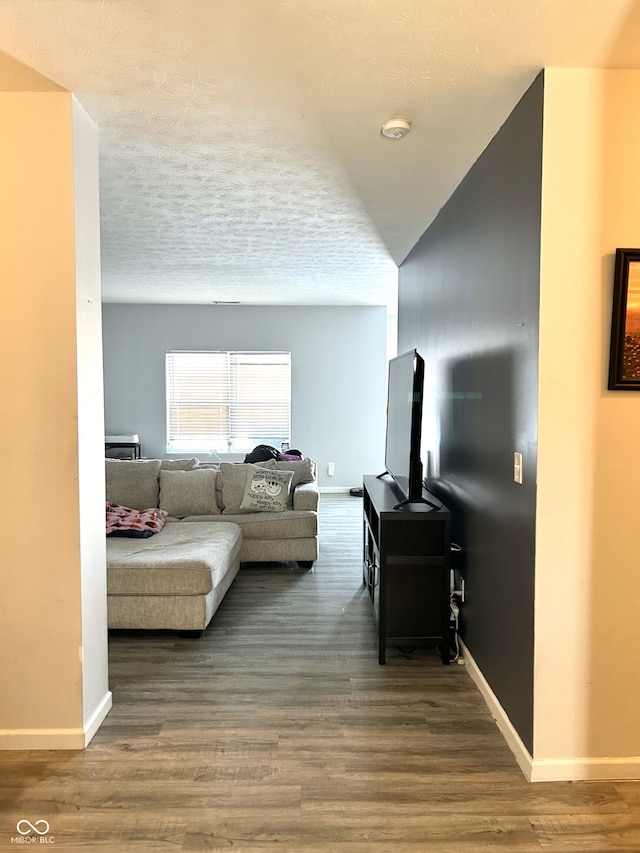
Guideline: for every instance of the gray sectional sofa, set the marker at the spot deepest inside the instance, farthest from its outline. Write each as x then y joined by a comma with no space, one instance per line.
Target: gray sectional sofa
218,516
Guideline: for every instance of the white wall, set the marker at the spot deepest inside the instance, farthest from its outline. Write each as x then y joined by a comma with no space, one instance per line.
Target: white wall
338,373
50,488
587,646
86,195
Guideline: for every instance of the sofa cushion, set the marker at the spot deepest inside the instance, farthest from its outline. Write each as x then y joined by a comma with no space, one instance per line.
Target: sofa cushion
266,491
232,479
304,470
183,559
264,525
179,464
188,492
132,483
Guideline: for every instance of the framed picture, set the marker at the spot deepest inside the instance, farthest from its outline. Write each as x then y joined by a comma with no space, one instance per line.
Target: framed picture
624,358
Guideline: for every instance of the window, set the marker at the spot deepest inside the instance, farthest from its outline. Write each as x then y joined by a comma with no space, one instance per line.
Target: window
227,400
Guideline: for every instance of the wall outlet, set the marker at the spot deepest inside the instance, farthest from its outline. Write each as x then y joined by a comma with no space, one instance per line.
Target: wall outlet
517,467
460,591
330,469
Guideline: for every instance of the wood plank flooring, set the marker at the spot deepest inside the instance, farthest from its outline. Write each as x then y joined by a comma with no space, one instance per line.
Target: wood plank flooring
278,731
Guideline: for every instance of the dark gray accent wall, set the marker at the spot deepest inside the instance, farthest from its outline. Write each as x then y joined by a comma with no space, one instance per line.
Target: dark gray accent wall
468,301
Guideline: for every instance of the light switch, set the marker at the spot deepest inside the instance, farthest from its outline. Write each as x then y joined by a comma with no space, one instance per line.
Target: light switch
517,467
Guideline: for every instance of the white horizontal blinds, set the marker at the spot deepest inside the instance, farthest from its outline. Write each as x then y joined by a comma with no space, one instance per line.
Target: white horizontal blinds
260,395
197,398
220,400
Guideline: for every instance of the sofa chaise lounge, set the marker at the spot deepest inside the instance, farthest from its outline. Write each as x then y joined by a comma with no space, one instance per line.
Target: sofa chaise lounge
217,516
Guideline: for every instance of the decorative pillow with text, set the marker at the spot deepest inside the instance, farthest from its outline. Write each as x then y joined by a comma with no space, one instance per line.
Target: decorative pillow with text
233,478
266,491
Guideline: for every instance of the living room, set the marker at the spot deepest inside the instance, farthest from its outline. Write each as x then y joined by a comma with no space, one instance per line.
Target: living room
507,295
506,370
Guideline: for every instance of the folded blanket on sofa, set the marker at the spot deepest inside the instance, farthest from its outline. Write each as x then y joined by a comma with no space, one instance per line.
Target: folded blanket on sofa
134,523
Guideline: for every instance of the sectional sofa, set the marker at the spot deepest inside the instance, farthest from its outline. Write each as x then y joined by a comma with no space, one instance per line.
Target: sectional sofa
214,517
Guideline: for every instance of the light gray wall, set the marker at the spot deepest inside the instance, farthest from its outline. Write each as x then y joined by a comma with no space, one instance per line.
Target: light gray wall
338,358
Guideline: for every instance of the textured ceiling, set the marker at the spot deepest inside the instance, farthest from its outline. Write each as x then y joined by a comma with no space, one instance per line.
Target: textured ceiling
240,149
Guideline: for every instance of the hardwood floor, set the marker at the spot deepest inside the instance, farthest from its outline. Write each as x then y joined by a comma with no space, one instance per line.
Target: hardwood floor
278,731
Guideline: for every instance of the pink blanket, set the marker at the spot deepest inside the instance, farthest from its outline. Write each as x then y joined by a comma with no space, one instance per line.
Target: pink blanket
135,523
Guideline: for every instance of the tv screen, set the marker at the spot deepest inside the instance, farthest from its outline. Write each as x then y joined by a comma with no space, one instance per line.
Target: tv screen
404,423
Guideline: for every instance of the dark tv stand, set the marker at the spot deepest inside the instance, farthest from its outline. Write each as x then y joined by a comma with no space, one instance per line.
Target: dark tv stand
406,568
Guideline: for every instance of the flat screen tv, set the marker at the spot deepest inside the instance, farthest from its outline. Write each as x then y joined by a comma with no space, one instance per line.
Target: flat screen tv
404,425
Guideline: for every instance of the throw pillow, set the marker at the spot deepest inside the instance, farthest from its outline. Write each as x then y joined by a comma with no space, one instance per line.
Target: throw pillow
132,483
215,466
179,464
232,479
266,491
185,493
304,470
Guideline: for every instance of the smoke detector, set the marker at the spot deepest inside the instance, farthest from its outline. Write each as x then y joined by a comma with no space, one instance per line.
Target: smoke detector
396,128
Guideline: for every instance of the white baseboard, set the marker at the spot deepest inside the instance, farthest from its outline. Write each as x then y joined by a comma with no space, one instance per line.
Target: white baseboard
549,769
69,738
97,718
586,769
334,490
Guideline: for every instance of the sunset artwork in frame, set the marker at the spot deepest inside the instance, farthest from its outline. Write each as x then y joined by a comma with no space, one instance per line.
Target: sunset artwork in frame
624,358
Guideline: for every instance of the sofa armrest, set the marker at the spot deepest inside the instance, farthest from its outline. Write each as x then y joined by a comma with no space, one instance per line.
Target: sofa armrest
305,496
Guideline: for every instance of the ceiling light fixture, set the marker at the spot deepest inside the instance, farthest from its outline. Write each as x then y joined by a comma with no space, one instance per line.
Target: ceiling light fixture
396,128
